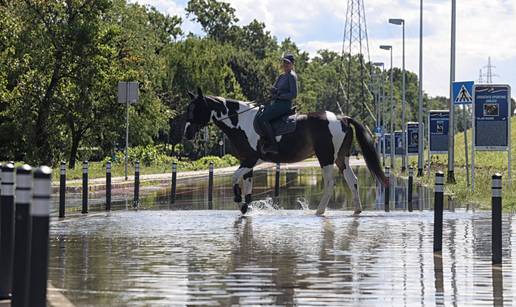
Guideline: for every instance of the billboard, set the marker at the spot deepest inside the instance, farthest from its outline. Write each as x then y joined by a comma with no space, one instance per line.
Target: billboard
491,117
438,130
412,138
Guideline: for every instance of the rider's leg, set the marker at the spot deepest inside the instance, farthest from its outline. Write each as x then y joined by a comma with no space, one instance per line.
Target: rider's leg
271,112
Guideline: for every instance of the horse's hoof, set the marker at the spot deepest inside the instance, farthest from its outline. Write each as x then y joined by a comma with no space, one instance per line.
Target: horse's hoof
244,208
319,212
357,212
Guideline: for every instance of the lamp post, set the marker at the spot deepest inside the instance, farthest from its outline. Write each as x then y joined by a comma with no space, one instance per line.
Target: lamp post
389,47
401,22
421,143
379,112
451,140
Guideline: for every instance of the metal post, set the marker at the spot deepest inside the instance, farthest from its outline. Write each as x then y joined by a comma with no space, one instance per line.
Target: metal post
393,126
410,189
404,104
108,186
6,230
464,113
451,139
174,183
22,236
85,187
126,156
420,154
210,183
136,201
496,220
438,211
62,190
39,212
277,181
387,194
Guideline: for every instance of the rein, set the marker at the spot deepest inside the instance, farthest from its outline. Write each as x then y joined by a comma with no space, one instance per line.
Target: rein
229,116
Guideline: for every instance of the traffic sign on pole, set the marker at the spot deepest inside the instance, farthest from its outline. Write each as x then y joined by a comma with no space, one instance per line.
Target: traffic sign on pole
463,92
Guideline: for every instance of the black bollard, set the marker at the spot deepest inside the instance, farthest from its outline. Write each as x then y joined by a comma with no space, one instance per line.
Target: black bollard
62,190
410,189
438,211
210,183
496,219
136,201
387,190
6,230
22,236
39,212
174,183
108,186
277,181
85,187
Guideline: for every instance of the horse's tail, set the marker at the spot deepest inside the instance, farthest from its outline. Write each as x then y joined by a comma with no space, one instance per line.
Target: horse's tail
371,157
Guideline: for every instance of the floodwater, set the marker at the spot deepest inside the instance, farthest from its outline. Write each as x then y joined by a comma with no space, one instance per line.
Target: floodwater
197,253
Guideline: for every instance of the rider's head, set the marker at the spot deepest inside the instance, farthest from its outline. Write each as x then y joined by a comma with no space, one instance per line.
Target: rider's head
288,62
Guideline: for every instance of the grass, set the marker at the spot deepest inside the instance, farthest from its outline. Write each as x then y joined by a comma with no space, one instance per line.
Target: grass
98,169
486,165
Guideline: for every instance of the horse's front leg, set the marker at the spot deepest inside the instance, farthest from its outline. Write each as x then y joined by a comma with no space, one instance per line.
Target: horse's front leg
237,190
248,190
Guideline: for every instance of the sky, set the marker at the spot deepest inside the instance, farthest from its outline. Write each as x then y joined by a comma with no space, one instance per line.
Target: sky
484,28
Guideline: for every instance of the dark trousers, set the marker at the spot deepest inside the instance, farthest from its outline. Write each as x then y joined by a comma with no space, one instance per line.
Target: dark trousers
275,110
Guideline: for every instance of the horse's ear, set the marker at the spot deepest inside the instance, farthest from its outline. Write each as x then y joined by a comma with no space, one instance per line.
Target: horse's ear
199,93
192,95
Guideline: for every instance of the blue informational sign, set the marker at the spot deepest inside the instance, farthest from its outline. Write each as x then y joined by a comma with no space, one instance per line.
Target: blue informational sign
412,138
438,129
398,141
491,117
463,92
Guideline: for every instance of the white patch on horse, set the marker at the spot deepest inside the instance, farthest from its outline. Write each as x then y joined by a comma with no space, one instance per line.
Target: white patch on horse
245,122
278,138
186,127
337,135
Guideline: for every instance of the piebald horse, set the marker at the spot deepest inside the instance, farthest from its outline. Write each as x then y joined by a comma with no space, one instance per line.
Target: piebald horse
324,134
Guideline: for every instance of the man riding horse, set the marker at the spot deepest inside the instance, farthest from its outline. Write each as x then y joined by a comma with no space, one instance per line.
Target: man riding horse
283,92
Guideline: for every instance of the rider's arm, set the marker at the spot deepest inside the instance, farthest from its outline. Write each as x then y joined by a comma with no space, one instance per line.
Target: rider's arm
292,94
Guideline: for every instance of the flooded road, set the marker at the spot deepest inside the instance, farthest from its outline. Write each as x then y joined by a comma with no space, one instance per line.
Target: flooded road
280,254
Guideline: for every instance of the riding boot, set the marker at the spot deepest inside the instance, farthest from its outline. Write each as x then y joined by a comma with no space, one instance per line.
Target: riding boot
270,146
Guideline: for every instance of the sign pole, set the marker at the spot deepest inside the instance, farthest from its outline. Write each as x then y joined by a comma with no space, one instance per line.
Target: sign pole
420,156
466,141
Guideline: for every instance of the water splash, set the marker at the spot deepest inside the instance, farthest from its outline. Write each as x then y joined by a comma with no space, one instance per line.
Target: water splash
303,202
265,204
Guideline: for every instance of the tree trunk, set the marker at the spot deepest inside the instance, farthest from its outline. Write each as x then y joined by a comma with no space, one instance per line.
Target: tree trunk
76,140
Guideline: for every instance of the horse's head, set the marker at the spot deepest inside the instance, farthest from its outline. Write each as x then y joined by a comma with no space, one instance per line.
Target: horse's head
197,114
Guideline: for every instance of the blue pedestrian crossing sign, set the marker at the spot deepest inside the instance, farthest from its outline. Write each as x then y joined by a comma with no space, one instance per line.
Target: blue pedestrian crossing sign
463,92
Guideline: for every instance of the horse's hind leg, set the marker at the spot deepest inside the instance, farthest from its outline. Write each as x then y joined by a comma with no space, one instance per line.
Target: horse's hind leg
329,183
352,182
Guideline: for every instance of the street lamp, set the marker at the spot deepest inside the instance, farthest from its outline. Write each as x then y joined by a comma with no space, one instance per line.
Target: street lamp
421,143
401,22
389,47
379,101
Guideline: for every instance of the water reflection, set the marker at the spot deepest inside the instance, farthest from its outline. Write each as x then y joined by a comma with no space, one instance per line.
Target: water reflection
157,256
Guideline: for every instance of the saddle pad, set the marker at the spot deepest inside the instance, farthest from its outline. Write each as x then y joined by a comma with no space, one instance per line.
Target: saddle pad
284,125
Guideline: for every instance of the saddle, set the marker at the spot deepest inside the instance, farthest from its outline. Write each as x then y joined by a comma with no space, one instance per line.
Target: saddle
283,125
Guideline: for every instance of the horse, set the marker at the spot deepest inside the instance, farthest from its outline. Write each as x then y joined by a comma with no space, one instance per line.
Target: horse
324,134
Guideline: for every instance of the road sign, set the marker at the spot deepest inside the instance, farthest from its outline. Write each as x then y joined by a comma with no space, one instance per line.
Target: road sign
438,129
398,142
491,116
128,92
378,131
491,122
463,92
412,138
